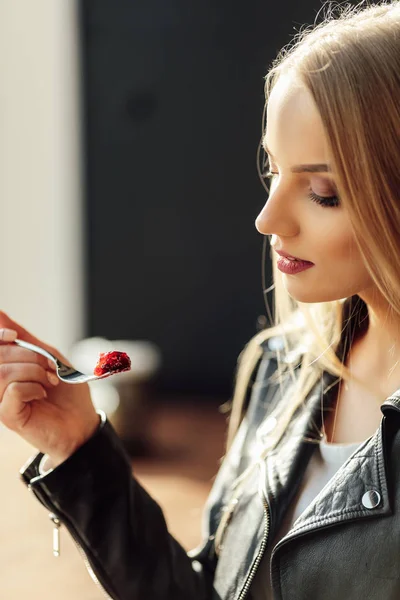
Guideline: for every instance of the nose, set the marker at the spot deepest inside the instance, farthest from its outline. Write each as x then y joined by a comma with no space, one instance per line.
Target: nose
278,216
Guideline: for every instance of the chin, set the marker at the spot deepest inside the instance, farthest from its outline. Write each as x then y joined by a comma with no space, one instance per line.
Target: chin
310,296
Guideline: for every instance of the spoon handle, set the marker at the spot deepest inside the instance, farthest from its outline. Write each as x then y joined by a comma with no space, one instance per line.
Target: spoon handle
36,349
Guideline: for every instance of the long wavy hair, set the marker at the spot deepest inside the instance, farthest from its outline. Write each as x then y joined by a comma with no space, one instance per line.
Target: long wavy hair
350,63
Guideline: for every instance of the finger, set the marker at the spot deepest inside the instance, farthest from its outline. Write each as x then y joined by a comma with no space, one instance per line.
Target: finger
7,323
25,372
8,335
15,408
11,353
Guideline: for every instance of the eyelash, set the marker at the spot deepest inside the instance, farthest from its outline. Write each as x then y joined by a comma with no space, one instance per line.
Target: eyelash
326,201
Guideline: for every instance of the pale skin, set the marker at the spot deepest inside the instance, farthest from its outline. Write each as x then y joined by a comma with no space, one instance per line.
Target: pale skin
58,418
54,417
324,235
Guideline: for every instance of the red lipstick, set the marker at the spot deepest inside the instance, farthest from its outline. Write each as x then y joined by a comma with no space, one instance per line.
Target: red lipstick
290,264
291,267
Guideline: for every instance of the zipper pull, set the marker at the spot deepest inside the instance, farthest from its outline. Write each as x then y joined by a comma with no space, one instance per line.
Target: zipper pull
56,534
226,518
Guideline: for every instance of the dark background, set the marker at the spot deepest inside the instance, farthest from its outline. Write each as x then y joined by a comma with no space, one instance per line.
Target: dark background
173,100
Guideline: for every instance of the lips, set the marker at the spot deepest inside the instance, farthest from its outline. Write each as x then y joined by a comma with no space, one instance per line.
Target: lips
292,267
291,257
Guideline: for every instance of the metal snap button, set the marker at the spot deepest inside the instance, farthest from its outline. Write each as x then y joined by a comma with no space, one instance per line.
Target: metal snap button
371,499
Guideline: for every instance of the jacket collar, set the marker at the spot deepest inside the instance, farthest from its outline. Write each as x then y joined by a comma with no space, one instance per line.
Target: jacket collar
392,404
345,497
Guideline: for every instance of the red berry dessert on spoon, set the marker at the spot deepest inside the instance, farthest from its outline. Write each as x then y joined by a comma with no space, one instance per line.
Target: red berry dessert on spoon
112,362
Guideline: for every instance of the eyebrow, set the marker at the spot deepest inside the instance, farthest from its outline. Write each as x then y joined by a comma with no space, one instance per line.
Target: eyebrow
307,168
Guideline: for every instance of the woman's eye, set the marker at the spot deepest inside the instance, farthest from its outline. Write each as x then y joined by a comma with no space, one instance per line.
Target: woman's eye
327,195
331,201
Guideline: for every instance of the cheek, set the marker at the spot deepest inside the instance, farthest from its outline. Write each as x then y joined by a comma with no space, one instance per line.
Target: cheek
339,248
329,236
339,269
340,258
343,272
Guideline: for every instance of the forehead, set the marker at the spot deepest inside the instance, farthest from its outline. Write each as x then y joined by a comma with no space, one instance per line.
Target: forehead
294,130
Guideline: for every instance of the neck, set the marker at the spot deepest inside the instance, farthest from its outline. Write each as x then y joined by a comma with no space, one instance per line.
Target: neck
375,352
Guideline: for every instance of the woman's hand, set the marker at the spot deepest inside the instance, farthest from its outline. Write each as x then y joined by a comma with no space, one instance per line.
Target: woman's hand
53,416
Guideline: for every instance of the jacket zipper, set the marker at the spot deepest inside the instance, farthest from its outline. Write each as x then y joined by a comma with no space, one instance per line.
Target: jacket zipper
56,534
56,552
54,517
250,577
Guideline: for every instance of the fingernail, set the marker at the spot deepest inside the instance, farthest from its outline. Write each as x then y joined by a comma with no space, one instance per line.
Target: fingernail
52,364
52,378
8,335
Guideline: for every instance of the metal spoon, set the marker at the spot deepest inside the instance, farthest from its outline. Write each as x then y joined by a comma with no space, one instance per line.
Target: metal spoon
65,373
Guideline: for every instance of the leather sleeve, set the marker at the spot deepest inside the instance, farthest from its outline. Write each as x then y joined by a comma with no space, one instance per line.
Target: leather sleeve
122,530
119,527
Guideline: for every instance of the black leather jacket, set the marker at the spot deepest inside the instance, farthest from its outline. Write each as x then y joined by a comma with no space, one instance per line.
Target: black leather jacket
346,545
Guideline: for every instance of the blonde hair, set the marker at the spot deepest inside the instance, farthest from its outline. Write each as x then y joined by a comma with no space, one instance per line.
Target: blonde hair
351,65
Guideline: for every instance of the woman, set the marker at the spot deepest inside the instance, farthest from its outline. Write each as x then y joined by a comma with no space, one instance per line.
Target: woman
307,501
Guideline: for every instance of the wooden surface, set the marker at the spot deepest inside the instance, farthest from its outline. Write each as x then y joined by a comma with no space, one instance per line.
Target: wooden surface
187,443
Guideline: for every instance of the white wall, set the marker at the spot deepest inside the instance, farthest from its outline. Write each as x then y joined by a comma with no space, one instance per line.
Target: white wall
41,266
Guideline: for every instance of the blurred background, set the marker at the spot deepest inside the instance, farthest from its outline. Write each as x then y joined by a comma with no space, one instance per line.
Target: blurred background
128,194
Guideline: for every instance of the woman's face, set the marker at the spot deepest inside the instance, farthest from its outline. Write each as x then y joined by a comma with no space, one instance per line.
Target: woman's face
302,213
